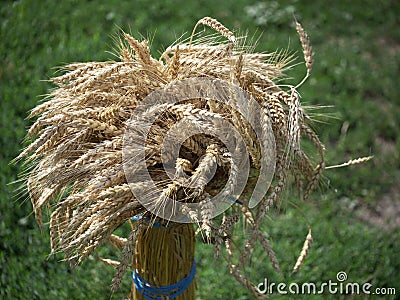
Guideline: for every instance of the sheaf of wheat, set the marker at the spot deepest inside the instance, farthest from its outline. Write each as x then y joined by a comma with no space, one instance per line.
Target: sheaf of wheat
75,153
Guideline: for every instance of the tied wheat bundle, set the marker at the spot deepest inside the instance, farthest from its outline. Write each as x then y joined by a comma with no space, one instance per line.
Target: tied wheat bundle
76,151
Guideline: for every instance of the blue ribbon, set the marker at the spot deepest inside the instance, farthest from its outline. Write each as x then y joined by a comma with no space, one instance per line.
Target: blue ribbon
148,219
152,292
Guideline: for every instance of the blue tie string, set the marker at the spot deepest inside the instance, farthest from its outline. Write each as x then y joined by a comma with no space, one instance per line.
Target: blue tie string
148,219
152,292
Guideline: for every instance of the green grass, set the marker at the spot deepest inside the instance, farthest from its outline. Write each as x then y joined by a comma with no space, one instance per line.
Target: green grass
357,56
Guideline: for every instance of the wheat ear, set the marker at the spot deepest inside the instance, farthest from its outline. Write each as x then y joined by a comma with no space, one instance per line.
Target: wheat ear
351,162
304,251
217,26
307,51
127,254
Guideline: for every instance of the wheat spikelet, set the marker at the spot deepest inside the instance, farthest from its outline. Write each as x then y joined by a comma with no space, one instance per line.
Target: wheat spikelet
115,191
141,49
78,72
294,121
182,165
247,212
207,208
109,262
224,232
200,177
304,252
263,72
271,254
306,45
245,282
191,214
312,183
175,64
228,222
89,80
276,111
117,241
126,55
127,254
351,162
38,142
217,26
307,131
237,71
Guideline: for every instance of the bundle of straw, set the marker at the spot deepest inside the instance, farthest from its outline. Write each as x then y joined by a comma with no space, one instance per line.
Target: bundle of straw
165,256
76,147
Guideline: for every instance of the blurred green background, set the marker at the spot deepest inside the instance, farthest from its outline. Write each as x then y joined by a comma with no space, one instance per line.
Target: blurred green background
354,213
